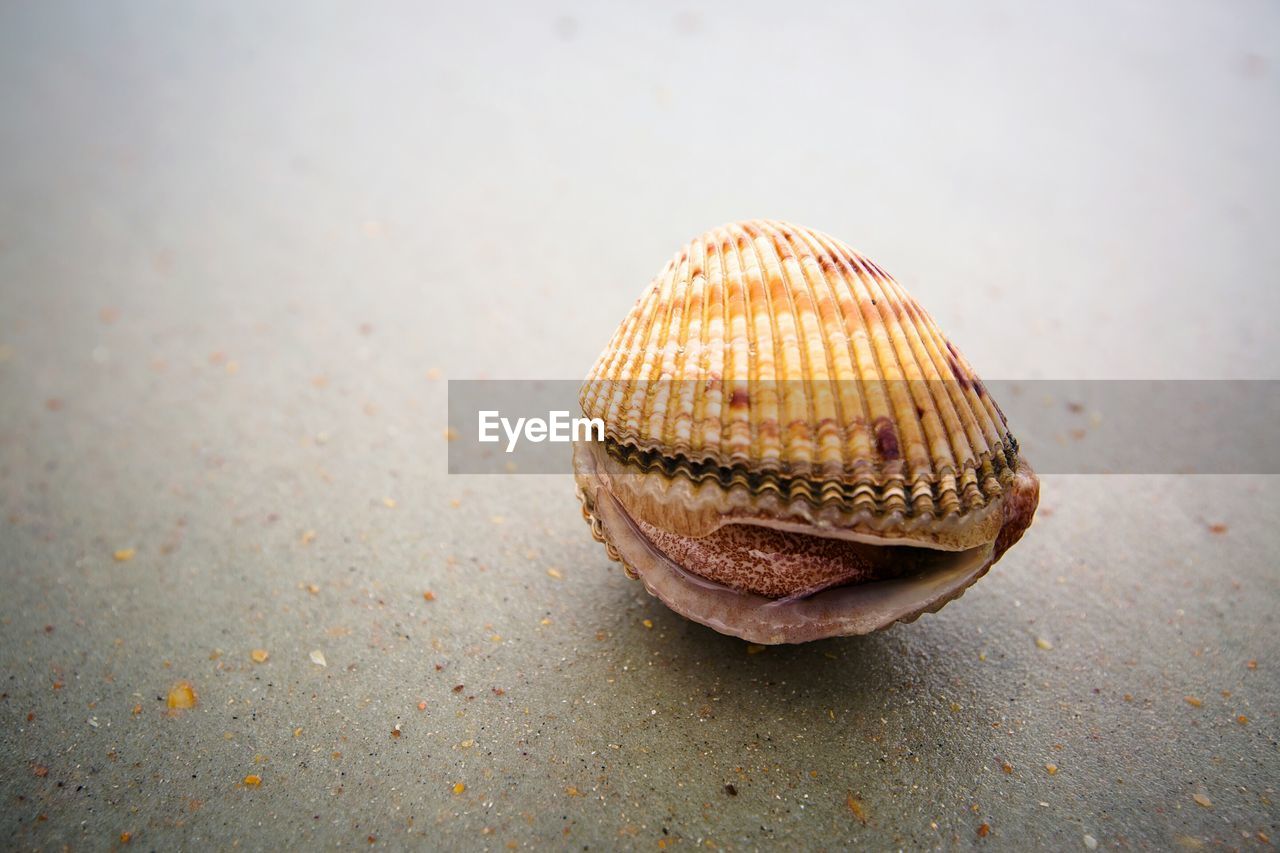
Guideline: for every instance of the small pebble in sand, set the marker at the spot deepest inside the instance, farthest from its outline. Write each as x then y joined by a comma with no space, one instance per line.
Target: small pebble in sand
984,829
317,658
1202,800
428,596
259,655
389,503
1090,842
1192,701
554,573
124,555
253,780
182,695
856,807
1043,644
458,788
1051,769
648,623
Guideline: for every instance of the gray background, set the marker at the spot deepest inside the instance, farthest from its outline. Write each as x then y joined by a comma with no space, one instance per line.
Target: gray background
242,246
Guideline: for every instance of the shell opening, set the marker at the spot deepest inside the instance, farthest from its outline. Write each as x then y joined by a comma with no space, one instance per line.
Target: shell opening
785,564
859,608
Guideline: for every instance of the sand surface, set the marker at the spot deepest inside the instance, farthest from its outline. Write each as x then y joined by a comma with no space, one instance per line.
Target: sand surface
242,251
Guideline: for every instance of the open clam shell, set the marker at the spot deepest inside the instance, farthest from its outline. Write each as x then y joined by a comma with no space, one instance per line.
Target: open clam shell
772,386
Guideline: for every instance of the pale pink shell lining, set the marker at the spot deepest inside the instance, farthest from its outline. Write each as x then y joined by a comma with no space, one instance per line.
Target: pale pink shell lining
839,611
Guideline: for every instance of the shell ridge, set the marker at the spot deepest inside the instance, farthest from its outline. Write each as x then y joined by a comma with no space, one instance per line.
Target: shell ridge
761,403
714,335
800,415
973,436
904,390
805,426
736,426
826,410
850,434
678,422
990,420
870,368
781,333
661,414
912,404
640,412
697,402
959,420
938,416
857,339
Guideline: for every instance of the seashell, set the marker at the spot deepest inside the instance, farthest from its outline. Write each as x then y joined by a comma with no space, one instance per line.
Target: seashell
793,450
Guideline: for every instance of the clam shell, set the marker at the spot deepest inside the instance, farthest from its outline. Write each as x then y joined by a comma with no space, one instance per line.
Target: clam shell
770,371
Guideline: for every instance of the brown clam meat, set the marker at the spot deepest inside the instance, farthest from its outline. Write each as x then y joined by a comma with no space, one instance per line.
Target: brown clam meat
793,450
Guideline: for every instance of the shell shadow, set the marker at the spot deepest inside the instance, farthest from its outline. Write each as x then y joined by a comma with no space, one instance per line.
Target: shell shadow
905,697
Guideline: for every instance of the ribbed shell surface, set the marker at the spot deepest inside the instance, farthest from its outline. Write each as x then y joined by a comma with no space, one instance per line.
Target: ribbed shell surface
774,356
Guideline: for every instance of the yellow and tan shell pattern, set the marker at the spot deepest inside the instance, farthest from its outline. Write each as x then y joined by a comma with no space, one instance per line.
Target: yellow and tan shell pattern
775,358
